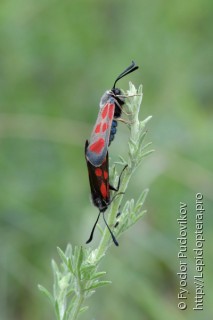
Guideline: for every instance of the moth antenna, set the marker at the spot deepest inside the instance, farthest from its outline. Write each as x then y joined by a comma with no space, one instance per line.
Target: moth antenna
128,70
93,229
112,235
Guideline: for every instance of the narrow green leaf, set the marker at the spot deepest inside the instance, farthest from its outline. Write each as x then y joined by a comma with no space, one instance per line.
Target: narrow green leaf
126,207
88,294
131,205
142,197
71,291
54,266
68,251
98,284
145,154
100,229
56,276
62,256
123,161
145,121
83,309
79,260
140,215
98,275
75,254
46,293
87,272
70,266
145,146
133,143
141,141
80,257
88,268
131,149
57,311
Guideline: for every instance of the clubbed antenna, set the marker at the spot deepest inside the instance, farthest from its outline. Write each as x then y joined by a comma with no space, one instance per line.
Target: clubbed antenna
128,70
93,229
112,235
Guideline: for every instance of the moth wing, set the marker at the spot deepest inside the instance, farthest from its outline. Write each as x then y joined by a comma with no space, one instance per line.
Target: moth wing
99,182
99,140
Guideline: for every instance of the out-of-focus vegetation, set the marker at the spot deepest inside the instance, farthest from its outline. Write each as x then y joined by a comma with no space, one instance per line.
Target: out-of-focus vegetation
56,60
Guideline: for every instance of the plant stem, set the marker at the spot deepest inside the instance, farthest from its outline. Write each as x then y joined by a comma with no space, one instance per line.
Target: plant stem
77,306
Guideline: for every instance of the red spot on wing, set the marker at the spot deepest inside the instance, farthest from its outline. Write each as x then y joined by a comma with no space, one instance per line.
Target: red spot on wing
103,190
97,146
105,174
98,128
111,111
105,111
105,127
98,172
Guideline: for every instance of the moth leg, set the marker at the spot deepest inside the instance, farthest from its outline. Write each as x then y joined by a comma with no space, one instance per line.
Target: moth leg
128,114
127,96
119,181
124,121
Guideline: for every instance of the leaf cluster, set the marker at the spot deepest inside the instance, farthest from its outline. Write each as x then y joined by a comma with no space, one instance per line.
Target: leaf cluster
75,279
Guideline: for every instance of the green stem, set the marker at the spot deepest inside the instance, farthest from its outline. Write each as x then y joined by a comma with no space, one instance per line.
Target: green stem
77,306
80,296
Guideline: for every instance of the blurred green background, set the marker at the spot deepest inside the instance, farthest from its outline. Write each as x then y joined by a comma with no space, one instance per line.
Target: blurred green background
56,60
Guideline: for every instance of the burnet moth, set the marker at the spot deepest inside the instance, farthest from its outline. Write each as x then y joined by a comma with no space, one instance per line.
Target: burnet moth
100,190
105,127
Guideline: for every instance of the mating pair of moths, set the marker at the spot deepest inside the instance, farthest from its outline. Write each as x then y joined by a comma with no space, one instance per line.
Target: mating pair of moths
96,151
